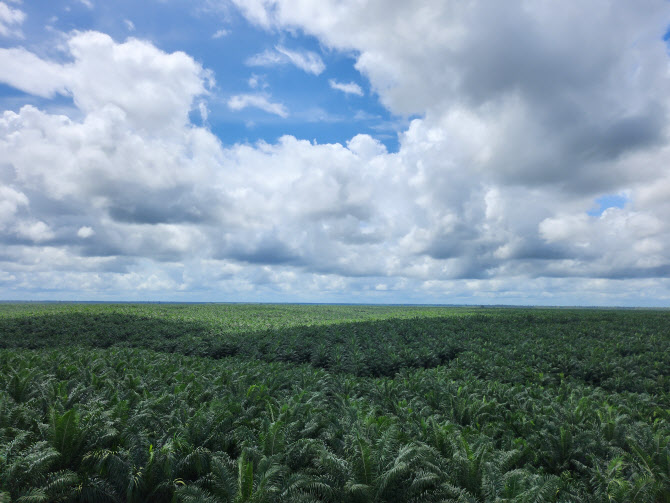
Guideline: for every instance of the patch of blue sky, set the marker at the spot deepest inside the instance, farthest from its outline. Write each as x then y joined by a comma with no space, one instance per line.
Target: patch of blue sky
13,99
608,201
315,110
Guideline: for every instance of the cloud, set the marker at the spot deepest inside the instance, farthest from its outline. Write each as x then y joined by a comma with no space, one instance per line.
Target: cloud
516,130
85,232
130,26
29,73
445,49
346,87
512,109
307,61
257,81
266,58
220,33
261,101
11,20
36,231
152,89
204,111
573,105
10,202
117,167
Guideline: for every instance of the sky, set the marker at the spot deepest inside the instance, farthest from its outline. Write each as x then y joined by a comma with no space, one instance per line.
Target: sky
358,151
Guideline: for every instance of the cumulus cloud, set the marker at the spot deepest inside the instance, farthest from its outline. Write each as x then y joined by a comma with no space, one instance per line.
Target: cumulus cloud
515,114
85,232
307,61
36,231
346,87
10,202
547,108
151,89
261,101
129,168
172,194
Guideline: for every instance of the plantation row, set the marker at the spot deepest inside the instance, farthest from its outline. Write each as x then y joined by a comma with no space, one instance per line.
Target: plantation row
617,350
71,319
506,405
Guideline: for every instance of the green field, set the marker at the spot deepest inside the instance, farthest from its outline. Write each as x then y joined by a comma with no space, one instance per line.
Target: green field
226,402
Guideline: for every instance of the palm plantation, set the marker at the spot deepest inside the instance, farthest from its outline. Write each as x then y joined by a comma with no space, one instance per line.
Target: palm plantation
213,403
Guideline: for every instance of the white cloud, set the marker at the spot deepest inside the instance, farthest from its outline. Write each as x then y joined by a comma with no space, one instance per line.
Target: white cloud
10,202
204,111
443,48
485,198
257,82
85,232
31,74
221,33
510,102
261,101
266,58
307,61
130,26
152,89
11,20
37,230
346,87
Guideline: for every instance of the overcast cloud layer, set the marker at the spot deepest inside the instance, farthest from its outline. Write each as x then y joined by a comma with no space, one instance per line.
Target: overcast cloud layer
531,116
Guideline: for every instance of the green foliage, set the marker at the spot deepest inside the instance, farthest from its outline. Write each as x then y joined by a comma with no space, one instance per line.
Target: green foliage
135,403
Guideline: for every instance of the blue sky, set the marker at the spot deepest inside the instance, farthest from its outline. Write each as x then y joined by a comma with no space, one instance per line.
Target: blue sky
339,151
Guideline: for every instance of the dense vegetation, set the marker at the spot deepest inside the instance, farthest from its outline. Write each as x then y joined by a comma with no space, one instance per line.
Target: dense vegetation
332,403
